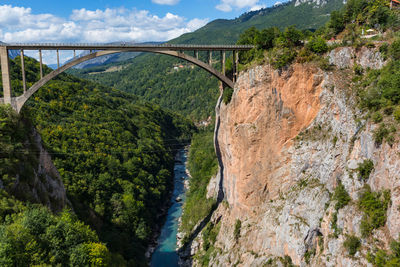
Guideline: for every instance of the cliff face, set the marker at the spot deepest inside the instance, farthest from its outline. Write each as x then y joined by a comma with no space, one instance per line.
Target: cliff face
287,139
44,185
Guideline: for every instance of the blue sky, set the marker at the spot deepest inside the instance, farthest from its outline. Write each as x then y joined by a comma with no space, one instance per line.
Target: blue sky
102,21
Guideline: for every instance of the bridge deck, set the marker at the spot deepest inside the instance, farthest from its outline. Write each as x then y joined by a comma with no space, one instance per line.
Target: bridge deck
119,46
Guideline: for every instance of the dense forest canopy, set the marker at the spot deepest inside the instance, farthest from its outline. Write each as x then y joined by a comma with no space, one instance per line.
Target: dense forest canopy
115,155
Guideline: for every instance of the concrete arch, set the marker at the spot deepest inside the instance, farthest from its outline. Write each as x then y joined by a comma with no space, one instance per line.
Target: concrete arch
21,100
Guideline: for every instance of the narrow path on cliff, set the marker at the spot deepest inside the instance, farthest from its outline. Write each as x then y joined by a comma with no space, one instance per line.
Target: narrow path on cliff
184,251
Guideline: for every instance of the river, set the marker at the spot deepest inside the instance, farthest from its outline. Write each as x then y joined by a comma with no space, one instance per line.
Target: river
165,254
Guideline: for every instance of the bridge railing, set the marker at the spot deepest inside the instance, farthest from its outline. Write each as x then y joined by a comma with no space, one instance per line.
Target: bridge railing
123,45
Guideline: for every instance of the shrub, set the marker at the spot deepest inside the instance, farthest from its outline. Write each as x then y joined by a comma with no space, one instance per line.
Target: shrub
352,244
396,113
377,117
210,235
305,55
227,95
308,255
236,231
337,22
341,196
336,230
324,64
358,70
317,45
374,205
281,57
383,258
394,50
365,168
384,49
380,133
293,36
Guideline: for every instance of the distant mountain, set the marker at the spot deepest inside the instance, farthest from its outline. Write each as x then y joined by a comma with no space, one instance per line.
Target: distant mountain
107,59
305,14
192,91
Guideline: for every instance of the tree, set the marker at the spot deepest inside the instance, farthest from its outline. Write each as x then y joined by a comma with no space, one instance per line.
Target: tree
293,36
317,45
337,22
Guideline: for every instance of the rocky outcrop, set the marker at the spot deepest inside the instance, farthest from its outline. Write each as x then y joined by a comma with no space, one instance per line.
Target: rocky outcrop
286,139
45,185
347,57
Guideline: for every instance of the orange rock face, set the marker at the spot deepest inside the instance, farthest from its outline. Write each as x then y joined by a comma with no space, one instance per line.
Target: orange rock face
286,140
267,111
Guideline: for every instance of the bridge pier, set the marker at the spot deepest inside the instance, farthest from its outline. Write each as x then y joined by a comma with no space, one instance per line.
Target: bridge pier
5,74
58,59
41,64
23,70
223,55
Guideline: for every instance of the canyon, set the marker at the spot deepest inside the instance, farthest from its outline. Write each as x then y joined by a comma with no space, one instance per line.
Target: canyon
287,139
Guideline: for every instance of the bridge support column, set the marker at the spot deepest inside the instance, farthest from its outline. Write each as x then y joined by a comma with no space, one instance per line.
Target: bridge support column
58,59
223,59
197,54
41,64
234,66
210,58
5,74
23,70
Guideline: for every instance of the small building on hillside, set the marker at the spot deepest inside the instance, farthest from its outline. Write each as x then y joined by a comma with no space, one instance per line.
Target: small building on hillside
394,4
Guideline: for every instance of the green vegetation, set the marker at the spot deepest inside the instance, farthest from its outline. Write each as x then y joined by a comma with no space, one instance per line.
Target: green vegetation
352,244
227,95
308,255
115,155
202,165
280,44
341,196
377,117
35,236
336,230
365,168
374,205
286,261
236,230
13,139
189,90
317,45
382,258
209,237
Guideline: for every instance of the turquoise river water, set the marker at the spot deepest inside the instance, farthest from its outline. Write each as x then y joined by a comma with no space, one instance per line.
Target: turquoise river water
165,254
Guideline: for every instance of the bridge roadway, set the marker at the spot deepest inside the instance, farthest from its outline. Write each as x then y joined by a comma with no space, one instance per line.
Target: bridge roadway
122,46
97,50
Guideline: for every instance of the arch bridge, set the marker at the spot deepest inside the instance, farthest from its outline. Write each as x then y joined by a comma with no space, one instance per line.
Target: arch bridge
97,50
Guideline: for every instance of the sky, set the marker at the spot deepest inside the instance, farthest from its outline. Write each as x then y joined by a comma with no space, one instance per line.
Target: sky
103,21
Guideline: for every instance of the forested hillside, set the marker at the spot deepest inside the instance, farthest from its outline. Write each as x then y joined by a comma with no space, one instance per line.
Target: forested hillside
193,92
115,155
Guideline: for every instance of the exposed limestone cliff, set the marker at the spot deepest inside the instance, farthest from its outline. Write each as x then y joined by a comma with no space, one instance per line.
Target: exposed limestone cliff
287,139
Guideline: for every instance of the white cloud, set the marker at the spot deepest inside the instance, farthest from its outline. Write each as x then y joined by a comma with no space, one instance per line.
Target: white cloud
228,5
195,24
166,2
19,24
257,7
